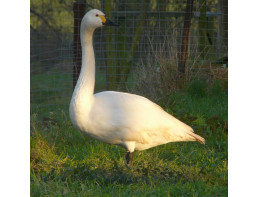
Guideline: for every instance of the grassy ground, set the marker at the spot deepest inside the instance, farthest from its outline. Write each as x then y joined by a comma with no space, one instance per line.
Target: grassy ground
65,162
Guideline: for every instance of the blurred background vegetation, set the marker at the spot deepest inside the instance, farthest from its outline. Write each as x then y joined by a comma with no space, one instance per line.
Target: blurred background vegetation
141,55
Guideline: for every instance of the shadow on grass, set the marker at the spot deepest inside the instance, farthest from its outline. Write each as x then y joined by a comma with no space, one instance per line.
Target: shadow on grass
120,175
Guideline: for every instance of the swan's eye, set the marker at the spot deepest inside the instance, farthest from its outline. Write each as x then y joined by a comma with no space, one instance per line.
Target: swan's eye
96,15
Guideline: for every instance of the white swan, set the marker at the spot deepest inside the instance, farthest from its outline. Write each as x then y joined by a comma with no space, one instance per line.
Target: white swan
129,120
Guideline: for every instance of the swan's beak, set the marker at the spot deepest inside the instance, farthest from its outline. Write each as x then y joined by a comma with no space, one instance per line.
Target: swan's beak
107,22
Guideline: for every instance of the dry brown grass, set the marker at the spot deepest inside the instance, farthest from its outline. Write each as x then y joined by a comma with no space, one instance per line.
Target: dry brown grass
157,74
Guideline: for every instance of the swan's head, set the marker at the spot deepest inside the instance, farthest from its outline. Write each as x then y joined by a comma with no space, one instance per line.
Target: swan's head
94,19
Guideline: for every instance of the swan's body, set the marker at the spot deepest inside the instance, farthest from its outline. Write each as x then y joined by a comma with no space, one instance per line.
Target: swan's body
129,120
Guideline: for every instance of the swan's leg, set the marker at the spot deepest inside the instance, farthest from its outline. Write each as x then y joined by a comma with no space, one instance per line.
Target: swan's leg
129,158
130,147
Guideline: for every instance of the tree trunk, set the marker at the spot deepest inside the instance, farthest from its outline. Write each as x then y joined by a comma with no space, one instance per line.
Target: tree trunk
205,32
135,41
202,29
224,23
110,58
185,36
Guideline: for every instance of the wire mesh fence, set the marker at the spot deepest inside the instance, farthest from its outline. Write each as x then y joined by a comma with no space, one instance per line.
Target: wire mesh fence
155,39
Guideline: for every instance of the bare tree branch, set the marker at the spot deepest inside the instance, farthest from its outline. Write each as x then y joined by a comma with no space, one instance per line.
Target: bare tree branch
41,17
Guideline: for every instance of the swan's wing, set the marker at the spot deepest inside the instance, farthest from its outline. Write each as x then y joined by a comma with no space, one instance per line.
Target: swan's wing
128,109
133,116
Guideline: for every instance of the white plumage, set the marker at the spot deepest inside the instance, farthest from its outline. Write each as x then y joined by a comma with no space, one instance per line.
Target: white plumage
129,120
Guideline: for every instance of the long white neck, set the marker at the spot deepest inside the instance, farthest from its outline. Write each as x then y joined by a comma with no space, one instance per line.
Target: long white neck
85,85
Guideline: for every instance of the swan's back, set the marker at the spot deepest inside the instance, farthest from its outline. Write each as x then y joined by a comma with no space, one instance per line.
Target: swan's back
130,109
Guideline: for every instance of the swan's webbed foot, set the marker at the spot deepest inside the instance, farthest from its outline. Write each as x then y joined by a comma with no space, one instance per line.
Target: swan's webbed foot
129,158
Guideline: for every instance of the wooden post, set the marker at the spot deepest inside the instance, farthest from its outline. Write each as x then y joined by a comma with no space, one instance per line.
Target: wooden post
109,44
224,23
185,36
79,11
203,29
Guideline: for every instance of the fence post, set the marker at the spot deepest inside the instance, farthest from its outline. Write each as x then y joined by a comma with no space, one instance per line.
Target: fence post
185,36
79,11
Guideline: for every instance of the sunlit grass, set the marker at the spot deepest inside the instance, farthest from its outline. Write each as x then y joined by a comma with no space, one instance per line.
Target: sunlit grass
65,162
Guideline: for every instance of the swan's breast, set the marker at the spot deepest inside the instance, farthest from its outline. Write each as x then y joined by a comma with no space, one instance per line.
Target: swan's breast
79,111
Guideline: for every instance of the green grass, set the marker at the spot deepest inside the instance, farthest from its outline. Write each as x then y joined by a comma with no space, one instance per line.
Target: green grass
65,162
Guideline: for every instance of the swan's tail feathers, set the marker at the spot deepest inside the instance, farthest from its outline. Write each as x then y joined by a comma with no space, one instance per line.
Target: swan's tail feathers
197,137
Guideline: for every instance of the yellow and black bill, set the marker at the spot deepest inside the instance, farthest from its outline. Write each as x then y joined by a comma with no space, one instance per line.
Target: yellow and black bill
107,22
